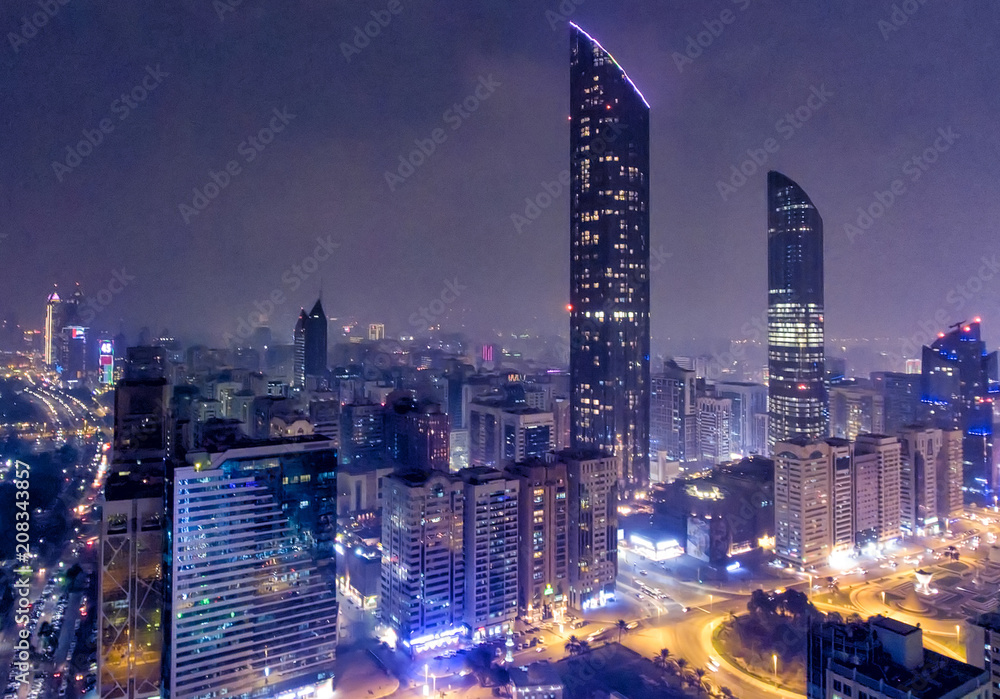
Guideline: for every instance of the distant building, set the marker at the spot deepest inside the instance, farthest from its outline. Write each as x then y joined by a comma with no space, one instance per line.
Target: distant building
299,361
316,346
674,413
376,332
417,434
958,388
900,398
362,432
885,452
856,410
715,418
749,402
502,433
885,659
931,465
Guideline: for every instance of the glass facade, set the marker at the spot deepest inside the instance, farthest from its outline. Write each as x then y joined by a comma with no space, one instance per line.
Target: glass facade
253,608
609,258
797,400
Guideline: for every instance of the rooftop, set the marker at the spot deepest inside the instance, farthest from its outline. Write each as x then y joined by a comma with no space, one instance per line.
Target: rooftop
538,674
937,677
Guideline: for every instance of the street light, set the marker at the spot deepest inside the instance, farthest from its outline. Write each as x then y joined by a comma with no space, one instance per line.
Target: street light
427,689
774,659
958,633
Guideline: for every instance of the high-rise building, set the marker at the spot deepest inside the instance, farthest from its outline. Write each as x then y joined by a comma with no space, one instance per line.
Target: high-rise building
543,526
491,544
593,526
299,361
715,418
53,326
609,258
982,644
804,480
130,579
502,434
900,398
856,410
362,432
797,401
316,341
884,451
423,556
749,400
252,571
673,424
918,487
958,388
417,434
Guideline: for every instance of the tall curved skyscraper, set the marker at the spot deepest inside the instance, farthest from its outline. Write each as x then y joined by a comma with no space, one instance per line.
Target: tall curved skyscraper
609,258
797,399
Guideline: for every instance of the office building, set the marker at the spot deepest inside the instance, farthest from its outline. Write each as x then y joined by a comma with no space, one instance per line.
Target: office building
423,557
609,259
883,658
376,332
502,432
491,545
543,530
922,448
797,401
593,526
715,417
856,410
299,349
417,434
900,398
749,402
674,413
53,326
252,571
131,583
362,432
958,387
316,342
885,453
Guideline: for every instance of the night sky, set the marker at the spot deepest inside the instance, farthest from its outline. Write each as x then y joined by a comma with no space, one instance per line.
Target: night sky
217,74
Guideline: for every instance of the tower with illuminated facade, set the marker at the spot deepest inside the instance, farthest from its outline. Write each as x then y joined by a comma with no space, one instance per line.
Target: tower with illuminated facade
797,399
53,325
609,259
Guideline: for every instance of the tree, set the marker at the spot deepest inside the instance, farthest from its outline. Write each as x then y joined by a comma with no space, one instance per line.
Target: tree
573,645
681,663
622,627
660,659
726,692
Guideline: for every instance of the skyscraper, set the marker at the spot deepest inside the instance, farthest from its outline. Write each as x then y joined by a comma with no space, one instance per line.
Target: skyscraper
609,258
797,402
53,324
316,341
252,573
958,387
299,362
673,422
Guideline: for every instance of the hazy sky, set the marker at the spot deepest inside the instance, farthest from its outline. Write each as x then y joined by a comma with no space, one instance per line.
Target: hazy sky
441,237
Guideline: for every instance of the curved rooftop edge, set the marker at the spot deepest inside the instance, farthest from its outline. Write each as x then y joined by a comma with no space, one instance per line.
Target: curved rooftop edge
777,179
617,64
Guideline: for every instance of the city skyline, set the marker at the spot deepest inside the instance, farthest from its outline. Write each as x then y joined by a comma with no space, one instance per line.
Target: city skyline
833,88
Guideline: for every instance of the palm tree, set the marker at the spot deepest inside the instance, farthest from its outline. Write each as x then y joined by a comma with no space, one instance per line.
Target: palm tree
660,660
622,627
573,645
682,663
584,646
726,692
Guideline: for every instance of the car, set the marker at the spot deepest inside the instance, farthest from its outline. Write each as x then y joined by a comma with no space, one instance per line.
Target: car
539,649
713,664
642,572
638,595
685,609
